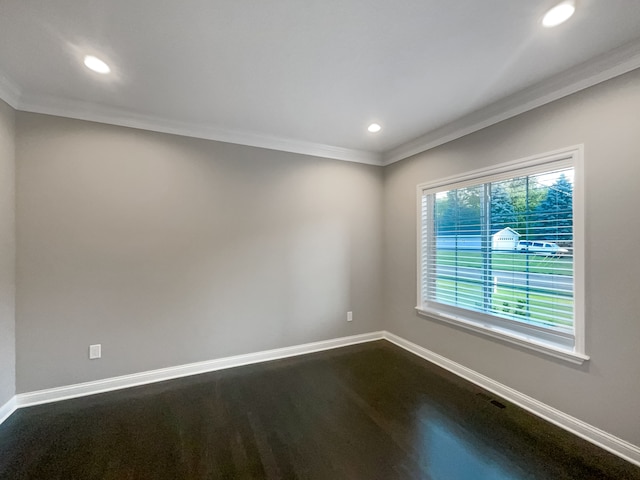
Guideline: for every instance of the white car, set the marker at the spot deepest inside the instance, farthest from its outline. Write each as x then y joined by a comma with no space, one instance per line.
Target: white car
540,247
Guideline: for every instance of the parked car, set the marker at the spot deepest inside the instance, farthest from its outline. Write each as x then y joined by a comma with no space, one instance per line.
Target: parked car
540,247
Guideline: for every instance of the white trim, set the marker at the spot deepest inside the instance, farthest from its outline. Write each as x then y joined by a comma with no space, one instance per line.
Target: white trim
506,167
530,343
504,171
160,375
573,425
568,156
419,257
604,67
7,409
579,245
114,116
588,432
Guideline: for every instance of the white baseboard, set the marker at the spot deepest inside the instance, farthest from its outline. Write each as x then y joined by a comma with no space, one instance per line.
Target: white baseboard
152,376
7,409
609,442
602,439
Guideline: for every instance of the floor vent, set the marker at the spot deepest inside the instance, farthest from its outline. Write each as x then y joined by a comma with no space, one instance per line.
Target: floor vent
488,398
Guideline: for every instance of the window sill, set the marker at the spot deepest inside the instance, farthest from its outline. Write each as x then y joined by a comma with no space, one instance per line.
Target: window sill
521,340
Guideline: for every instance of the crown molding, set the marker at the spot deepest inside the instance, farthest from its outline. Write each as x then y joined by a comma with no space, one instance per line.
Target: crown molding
113,116
612,64
604,67
9,91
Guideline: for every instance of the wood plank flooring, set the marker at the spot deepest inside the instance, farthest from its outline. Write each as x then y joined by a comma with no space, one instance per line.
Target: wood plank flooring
370,411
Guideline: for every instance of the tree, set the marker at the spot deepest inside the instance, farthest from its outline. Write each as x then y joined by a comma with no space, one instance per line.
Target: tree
525,196
553,219
503,213
459,212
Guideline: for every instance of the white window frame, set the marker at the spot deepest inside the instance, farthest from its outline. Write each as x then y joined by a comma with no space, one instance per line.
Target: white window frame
494,326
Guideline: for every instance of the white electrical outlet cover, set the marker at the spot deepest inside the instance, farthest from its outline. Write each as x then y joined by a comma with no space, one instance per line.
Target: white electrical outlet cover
95,351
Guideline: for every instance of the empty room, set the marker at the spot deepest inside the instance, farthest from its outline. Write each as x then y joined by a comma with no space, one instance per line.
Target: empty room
319,239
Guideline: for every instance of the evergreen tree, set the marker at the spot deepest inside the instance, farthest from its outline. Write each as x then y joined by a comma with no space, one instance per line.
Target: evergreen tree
459,213
525,198
554,216
503,213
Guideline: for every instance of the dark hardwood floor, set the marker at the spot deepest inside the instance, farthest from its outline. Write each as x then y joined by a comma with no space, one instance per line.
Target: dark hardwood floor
369,411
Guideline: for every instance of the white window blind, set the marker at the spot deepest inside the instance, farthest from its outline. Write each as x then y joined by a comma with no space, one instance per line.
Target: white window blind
498,251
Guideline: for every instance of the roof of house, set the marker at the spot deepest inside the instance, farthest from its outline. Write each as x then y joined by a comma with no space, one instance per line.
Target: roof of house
506,229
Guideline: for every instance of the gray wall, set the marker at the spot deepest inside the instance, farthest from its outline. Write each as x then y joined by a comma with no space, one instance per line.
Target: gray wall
606,119
7,254
169,250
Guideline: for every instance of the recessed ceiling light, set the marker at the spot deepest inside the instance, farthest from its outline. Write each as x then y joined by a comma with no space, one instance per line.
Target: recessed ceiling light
95,64
559,14
374,128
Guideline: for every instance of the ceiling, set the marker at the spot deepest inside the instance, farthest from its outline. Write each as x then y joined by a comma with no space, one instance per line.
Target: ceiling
309,76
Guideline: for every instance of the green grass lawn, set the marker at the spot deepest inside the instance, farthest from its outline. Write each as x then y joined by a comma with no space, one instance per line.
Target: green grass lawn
509,261
508,302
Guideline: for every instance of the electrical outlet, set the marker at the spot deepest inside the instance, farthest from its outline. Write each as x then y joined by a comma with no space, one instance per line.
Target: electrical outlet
95,351
349,316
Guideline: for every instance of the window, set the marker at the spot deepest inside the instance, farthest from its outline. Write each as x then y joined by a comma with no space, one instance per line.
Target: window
500,252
